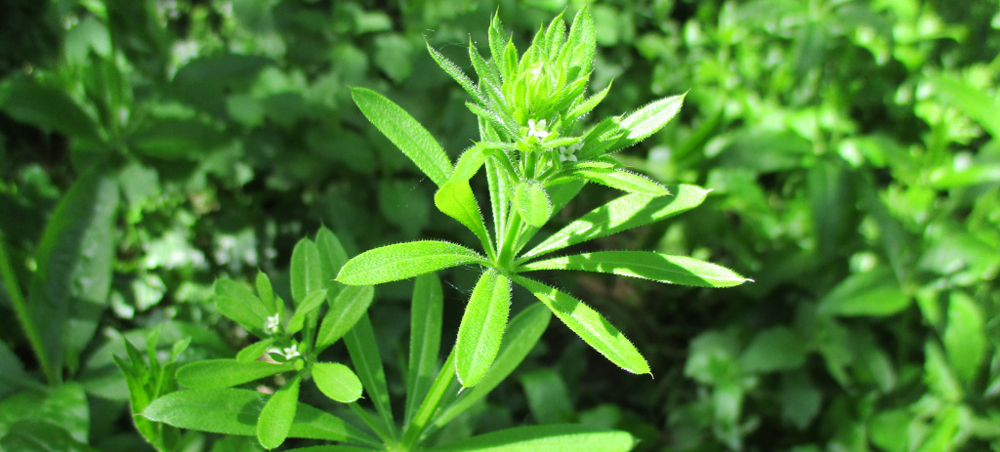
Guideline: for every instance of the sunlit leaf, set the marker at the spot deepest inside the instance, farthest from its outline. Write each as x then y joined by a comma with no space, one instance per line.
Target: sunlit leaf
403,261
545,438
224,373
337,381
405,132
482,328
347,308
621,214
276,418
591,326
642,264
532,203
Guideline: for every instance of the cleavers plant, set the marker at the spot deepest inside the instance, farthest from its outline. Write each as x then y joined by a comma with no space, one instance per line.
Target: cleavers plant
535,163
535,160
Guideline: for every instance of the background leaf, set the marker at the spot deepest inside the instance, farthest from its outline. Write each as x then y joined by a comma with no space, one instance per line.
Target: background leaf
45,107
69,290
874,293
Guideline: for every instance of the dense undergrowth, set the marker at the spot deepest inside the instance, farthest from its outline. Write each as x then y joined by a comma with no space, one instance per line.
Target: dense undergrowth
149,148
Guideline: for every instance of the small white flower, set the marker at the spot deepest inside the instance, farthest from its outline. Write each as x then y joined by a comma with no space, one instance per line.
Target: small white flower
290,352
271,325
537,129
569,154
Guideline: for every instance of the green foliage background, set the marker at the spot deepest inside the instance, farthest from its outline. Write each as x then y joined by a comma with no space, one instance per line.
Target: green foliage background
852,147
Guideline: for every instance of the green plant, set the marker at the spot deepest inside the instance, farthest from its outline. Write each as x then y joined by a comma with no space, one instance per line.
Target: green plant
535,163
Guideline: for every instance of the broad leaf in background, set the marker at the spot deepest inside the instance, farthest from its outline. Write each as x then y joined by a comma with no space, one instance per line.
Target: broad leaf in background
69,291
46,107
873,293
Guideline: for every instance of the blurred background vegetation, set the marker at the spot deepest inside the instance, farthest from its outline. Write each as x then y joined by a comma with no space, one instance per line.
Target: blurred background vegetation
853,148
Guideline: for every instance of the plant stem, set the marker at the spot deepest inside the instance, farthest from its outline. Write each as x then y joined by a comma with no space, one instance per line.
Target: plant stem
509,244
413,432
24,316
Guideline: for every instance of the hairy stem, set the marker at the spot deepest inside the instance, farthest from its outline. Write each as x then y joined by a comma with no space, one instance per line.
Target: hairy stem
413,432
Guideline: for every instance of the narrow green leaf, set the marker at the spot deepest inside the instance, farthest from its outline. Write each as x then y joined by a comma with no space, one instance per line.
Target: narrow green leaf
872,293
523,332
587,105
253,351
224,373
456,200
239,304
498,40
266,293
331,448
482,327
555,34
623,180
489,77
425,340
331,257
235,412
545,438
456,73
363,348
306,271
405,132
651,118
469,163
347,308
337,381
591,326
621,214
964,338
403,261
581,44
499,195
75,257
643,264
308,306
276,418
532,202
